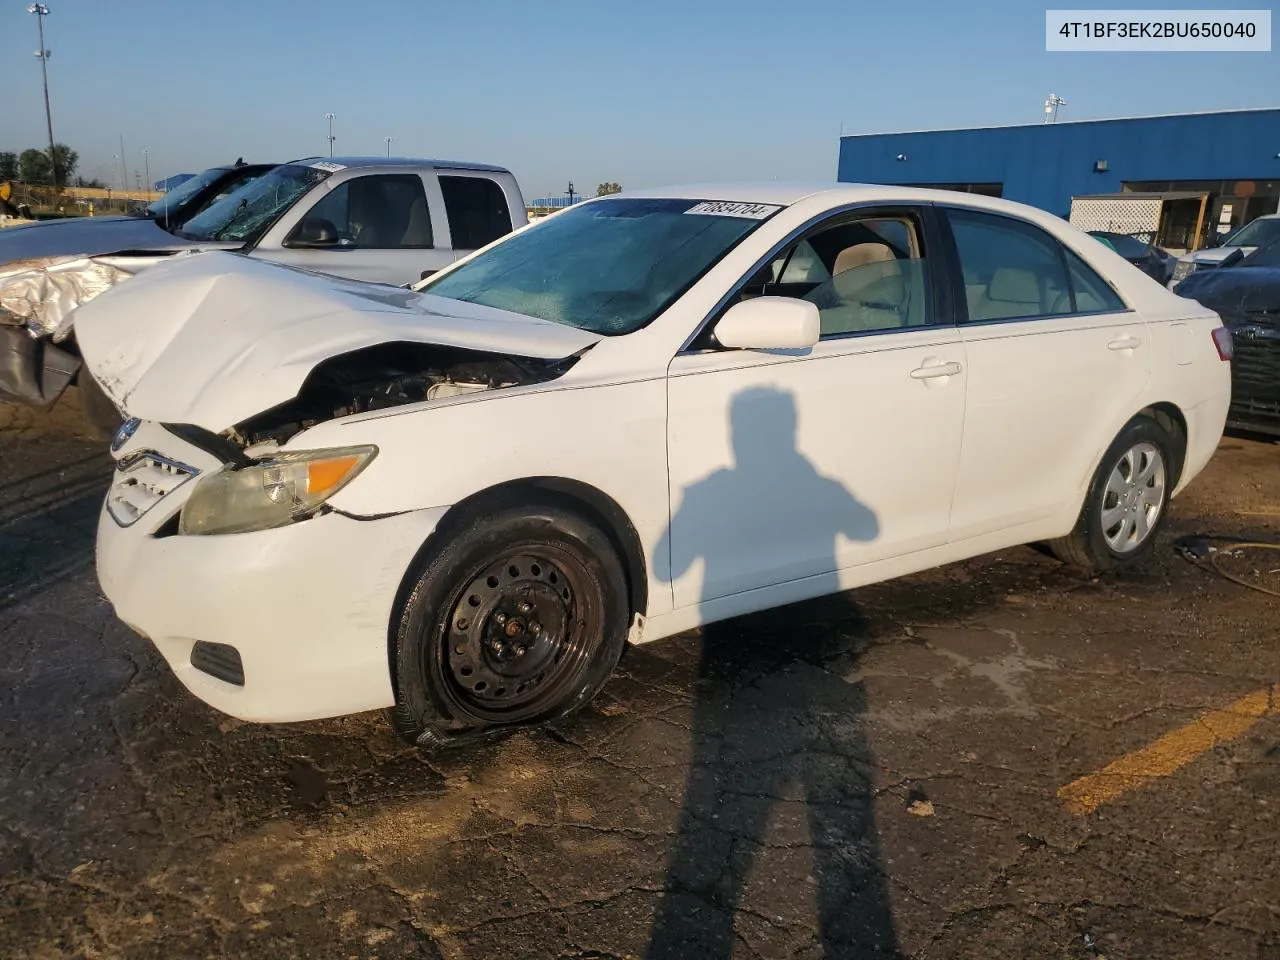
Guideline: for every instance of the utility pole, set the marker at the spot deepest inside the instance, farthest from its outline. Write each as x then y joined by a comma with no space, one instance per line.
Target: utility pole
146,165
124,172
1051,105
41,11
330,117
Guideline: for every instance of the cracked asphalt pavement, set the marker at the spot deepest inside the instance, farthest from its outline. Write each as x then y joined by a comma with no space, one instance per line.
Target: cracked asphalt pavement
873,774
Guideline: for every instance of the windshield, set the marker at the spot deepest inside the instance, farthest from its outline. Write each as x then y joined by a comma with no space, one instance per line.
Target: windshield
1256,234
247,212
1123,244
1264,256
609,266
175,198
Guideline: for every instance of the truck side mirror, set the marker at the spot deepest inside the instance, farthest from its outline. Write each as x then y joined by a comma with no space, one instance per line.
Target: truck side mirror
314,233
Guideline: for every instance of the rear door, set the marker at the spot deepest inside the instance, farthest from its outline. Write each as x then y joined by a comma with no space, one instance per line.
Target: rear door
385,230
1055,360
478,210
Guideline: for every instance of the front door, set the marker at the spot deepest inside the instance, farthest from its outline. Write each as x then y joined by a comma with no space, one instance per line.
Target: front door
785,469
384,230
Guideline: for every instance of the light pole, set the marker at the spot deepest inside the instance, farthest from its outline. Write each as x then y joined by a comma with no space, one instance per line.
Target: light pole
146,166
330,117
388,142
41,11
124,173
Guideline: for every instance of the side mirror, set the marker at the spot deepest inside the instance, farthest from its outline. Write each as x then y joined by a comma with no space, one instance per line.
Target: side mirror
769,323
314,233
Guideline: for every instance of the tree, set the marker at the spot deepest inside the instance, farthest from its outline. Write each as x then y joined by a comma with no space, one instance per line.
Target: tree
67,160
8,166
604,189
33,166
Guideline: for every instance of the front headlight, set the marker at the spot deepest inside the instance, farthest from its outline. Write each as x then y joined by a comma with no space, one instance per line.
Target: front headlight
270,493
1183,269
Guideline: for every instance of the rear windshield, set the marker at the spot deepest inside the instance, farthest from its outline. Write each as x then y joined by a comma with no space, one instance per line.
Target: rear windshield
609,266
1125,245
1257,234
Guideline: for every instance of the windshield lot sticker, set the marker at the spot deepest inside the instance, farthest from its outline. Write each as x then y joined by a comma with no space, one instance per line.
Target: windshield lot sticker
328,165
723,208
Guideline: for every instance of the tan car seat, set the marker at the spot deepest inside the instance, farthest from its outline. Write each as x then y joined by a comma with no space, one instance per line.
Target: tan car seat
866,291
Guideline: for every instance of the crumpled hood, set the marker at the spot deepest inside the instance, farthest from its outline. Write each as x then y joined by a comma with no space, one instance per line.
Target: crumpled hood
85,237
1232,291
214,339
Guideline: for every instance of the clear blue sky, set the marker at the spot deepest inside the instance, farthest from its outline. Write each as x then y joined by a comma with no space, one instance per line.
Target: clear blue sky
643,93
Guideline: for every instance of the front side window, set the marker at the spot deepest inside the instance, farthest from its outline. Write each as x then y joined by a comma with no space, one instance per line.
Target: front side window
1011,269
380,212
609,266
249,211
477,210
865,275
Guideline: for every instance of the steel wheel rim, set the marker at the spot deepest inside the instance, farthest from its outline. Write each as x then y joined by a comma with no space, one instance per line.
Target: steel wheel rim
1133,498
518,638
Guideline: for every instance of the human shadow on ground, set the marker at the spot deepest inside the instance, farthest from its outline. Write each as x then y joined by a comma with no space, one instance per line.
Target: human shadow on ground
777,741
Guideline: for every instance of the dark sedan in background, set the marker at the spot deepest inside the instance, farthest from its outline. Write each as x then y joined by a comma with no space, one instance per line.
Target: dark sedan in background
1141,251
1245,292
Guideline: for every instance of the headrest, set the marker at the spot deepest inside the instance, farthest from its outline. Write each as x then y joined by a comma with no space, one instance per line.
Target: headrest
860,254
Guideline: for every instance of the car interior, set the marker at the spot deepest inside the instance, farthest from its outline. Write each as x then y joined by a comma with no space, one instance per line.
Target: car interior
863,275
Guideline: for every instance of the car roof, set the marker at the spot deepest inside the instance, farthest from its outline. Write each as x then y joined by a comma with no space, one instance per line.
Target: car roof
835,194
356,162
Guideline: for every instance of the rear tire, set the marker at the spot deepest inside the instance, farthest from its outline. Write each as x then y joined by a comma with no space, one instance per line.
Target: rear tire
517,619
99,413
1127,499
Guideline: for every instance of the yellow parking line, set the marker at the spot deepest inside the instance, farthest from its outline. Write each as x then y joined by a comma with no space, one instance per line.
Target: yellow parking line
1168,754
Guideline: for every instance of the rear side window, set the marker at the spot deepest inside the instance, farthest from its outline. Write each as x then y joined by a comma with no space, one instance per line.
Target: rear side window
477,210
1093,295
1012,270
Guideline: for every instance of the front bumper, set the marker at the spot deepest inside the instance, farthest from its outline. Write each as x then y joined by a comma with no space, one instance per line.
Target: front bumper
307,606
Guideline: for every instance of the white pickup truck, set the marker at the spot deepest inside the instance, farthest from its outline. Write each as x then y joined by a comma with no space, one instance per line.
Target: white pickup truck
382,219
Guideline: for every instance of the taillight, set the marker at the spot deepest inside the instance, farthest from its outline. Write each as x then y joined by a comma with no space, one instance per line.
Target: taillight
1225,343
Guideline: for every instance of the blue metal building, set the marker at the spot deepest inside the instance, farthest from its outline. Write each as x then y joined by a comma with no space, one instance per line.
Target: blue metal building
1234,156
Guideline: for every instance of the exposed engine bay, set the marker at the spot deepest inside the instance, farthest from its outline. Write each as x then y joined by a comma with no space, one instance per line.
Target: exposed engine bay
390,375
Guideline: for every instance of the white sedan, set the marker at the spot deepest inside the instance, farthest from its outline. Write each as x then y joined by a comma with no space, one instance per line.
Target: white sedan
649,412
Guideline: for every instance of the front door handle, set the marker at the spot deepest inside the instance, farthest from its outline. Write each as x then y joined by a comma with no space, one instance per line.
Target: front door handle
1124,343
936,370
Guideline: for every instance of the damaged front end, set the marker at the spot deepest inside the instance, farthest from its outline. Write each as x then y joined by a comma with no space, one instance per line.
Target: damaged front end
389,375
261,483
38,299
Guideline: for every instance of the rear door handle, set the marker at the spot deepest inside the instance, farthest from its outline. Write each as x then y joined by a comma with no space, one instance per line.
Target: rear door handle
1124,343
936,370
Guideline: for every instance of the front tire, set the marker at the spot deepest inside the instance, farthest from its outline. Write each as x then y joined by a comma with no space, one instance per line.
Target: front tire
1127,500
517,619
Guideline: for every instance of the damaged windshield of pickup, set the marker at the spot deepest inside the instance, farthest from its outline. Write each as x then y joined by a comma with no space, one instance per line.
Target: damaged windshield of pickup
249,211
